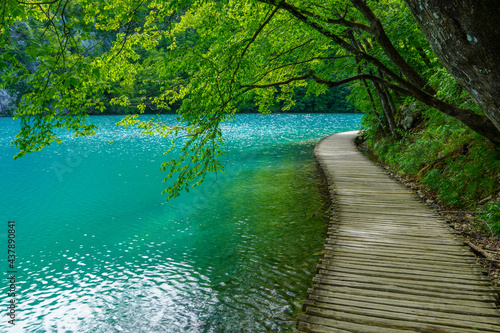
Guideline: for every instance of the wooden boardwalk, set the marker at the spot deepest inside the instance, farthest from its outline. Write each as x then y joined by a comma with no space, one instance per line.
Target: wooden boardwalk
390,264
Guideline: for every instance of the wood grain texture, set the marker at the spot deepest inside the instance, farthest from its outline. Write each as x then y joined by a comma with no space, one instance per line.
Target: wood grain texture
390,263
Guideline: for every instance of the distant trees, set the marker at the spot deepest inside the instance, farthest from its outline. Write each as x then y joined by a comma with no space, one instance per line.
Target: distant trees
334,100
208,58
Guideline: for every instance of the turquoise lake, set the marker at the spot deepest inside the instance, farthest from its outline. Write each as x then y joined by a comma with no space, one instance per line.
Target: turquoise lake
100,250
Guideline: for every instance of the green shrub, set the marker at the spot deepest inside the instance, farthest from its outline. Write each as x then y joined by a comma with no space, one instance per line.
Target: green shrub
464,166
492,215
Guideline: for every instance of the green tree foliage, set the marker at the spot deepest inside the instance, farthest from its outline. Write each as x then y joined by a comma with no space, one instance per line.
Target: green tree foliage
207,59
334,100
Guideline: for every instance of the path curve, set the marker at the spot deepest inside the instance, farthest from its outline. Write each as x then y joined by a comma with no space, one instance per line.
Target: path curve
390,264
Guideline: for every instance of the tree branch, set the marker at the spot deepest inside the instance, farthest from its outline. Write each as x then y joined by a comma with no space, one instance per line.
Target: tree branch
131,14
478,123
330,83
291,50
378,30
276,84
262,76
340,21
297,13
258,31
37,3
252,40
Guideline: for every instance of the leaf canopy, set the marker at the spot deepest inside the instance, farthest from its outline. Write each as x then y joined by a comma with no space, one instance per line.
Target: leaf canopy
204,59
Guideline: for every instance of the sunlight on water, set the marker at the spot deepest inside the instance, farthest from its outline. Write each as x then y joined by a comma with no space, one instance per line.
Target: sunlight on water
99,250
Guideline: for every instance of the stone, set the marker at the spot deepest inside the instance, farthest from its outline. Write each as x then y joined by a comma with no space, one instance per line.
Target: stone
407,115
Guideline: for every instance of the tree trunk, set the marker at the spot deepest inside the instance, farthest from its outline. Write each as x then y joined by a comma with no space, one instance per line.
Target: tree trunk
383,125
389,115
409,72
465,36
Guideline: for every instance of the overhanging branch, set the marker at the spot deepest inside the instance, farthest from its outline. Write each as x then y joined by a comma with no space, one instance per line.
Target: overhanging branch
478,123
277,84
263,75
252,40
330,83
298,14
258,31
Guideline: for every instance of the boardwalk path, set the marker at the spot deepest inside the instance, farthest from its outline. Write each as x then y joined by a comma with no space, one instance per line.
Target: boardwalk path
390,265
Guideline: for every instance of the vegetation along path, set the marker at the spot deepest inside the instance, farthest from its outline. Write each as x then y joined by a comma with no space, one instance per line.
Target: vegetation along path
390,264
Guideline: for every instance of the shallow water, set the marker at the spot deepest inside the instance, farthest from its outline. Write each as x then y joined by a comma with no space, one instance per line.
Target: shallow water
99,250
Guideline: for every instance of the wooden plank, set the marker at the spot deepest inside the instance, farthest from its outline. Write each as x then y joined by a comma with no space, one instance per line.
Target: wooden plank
439,270
410,232
405,293
429,304
383,212
308,323
366,324
395,258
390,263
408,220
401,253
393,238
404,242
400,320
420,223
406,234
417,274
401,247
474,320
396,280
387,230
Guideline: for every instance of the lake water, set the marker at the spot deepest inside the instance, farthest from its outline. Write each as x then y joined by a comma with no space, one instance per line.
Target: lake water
99,250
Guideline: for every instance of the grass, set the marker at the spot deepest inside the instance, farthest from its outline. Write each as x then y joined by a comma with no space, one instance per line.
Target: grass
458,166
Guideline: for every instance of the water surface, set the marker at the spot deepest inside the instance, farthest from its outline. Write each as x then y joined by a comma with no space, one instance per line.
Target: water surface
99,249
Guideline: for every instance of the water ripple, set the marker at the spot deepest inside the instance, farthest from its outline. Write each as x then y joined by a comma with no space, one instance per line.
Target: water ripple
100,251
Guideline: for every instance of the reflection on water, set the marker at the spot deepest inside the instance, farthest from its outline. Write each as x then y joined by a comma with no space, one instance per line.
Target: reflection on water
99,250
